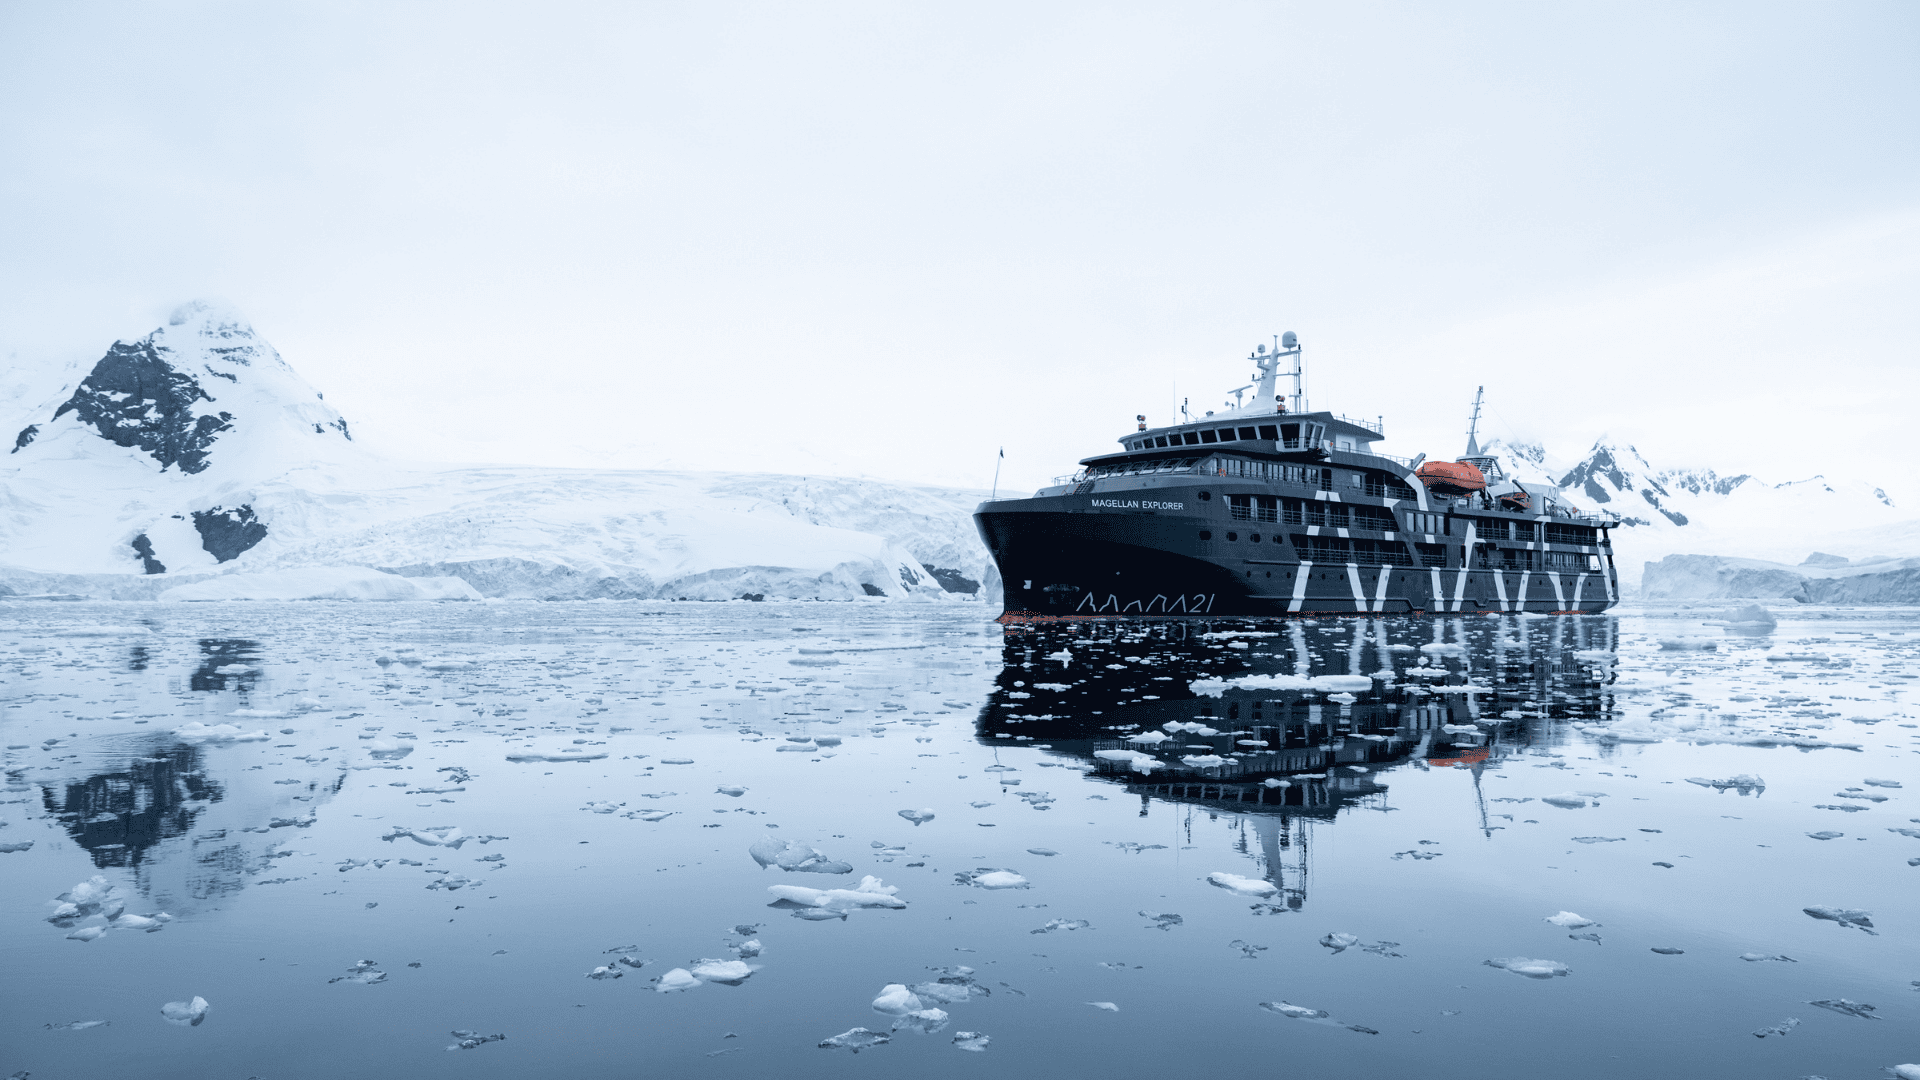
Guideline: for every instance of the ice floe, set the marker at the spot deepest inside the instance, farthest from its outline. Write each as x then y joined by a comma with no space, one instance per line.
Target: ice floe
855,1040
1852,917
1311,1016
871,892
799,858
185,1013
970,1040
1532,969
1242,886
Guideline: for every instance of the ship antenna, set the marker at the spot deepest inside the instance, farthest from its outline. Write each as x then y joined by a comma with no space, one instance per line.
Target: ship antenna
1473,423
1290,346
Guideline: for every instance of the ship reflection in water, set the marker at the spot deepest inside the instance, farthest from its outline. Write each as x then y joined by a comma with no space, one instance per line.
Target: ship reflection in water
1289,723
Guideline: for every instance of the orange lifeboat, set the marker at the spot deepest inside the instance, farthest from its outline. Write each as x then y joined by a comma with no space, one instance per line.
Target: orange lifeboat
1451,477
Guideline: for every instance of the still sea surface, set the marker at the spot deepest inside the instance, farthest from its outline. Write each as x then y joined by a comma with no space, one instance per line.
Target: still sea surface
613,840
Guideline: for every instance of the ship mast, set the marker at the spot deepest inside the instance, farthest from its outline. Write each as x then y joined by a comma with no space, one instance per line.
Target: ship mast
1473,423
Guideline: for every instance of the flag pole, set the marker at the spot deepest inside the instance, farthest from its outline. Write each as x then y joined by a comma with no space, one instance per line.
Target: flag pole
996,472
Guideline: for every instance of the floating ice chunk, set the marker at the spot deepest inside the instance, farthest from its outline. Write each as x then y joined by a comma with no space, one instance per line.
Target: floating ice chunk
1598,839
748,949
855,1039
1532,969
672,760
1138,762
654,815
1826,834
917,816
1852,917
1915,833
734,790
1243,886
1569,921
199,732
1203,761
677,979
185,1013
467,1040
924,1021
1566,800
8,849
1150,738
1339,943
820,914
1664,951
1342,698
87,933
529,757
1756,956
1850,1008
1752,615
1063,924
447,665
1041,851
725,972
1104,1006
976,1042
605,972
78,1025
1272,783
1871,782
1325,684
139,922
1311,1016
992,877
787,855
1904,1072
448,836
1780,1028
1063,656
895,999
870,893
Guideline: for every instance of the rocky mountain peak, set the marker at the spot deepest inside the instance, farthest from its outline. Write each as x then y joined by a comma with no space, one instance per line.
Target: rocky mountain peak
197,383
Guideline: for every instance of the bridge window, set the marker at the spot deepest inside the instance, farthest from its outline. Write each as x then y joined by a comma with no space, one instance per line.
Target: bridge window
1267,431
1159,440
1192,437
1226,434
1206,436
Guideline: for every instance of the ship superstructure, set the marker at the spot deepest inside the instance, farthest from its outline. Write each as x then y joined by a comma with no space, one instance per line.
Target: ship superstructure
1267,507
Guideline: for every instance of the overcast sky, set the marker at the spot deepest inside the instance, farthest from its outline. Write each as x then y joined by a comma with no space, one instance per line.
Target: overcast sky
889,238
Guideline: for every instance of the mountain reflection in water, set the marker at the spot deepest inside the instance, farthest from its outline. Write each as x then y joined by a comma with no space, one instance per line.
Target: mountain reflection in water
119,816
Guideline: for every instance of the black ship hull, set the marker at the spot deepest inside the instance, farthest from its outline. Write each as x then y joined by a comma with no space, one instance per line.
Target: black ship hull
1068,556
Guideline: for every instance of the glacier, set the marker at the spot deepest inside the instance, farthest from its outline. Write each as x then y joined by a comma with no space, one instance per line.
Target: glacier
197,453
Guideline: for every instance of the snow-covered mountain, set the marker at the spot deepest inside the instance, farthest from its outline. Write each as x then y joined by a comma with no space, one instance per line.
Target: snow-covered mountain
1697,511
198,451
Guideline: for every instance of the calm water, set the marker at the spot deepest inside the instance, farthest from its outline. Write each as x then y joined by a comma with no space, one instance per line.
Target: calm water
369,827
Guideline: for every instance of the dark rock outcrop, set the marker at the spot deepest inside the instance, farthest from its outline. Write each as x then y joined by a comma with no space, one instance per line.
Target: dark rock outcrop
225,534
953,580
134,398
143,547
26,436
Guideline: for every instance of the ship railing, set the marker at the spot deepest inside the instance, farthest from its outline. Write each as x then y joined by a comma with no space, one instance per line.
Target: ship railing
1375,426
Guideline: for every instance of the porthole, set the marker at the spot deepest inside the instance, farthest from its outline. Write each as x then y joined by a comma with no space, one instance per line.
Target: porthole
1253,537
1205,535
1233,536
1205,495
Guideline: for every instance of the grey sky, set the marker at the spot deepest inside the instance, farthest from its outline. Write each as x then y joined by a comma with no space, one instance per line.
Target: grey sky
888,238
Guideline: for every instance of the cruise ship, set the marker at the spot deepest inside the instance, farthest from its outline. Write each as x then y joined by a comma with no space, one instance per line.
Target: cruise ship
1268,508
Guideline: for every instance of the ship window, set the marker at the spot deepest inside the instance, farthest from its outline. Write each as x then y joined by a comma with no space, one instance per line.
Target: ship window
1233,536
1192,438
1253,537
1159,440
1205,535
1206,436
1248,433
1268,431
1226,434
1291,433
